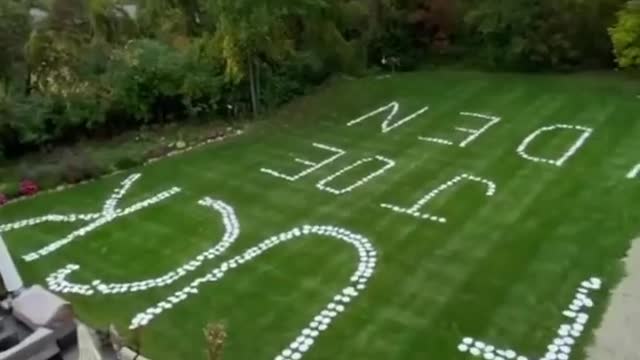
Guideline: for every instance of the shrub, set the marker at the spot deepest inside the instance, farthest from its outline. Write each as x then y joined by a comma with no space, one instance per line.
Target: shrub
10,190
157,152
395,41
46,174
626,36
77,167
540,35
29,122
24,123
127,162
291,79
153,82
67,167
147,78
201,91
3,199
203,80
28,187
81,111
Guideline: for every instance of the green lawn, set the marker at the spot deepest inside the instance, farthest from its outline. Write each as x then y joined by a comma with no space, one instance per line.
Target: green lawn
502,268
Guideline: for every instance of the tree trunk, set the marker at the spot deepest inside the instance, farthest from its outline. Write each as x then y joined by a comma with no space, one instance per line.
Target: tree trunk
4,85
27,81
375,9
252,85
373,26
258,83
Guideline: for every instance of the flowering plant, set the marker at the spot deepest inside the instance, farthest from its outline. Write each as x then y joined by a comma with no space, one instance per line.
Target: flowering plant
28,187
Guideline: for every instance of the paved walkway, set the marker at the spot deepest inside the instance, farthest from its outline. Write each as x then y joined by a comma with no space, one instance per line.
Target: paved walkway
619,335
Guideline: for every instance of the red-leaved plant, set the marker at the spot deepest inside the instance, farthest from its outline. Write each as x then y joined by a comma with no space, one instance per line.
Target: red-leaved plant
28,187
3,199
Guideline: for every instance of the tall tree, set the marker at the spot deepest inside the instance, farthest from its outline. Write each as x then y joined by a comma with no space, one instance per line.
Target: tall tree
14,33
248,30
109,21
165,18
68,16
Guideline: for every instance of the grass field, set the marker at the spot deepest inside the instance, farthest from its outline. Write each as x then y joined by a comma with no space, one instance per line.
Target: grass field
502,268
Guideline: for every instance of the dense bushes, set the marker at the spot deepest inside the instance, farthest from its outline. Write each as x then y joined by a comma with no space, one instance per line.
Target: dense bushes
14,31
394,41
626,36
152,81
146,81
97,70
28,122
25,122
540,35
68,167
527,35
